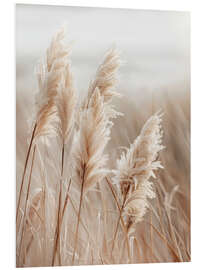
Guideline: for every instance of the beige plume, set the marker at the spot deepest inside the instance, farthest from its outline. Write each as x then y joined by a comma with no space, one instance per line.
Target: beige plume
136,166
49,75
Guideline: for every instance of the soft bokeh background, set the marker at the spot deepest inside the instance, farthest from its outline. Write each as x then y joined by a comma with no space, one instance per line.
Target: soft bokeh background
155,50
154,44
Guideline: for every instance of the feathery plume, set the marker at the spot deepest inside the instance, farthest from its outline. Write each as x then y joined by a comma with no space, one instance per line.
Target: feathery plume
104,81
105,77
94,129
89,157
136,166
65,102
49,75
90,142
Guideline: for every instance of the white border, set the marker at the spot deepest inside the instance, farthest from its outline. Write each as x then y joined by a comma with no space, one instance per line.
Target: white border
144,4
7,140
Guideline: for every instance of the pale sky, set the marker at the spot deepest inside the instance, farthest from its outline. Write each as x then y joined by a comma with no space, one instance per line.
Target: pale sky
154,45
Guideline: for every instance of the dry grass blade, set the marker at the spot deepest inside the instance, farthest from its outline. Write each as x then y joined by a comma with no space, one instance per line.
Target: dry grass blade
120,218
34,220
57,231
26,202
24,171
162,237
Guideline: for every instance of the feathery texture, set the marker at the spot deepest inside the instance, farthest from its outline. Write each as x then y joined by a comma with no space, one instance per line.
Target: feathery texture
63,225
136,166
49,76
66,101
105,81
105,77
94,122
90,142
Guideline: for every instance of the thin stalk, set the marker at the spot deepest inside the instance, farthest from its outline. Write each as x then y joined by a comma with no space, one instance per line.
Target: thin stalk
78,220
122,221
62,159
42,170
82,223
61,220
104,209
160,214
120,215
138,250
162,237
155,259
159,209
58,229
174,236
151,235
24,171
26,201
66,201
44,223
28,249
101,258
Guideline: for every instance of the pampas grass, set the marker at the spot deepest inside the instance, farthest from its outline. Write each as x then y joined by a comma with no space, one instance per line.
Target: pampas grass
105,77
134,169
49,76
79,199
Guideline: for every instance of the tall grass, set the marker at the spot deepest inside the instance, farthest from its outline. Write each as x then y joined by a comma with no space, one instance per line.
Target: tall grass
79,200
